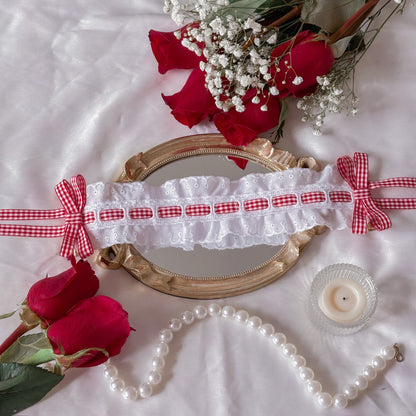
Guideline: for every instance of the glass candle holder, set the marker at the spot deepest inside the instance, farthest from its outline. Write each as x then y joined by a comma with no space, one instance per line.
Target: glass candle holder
343,297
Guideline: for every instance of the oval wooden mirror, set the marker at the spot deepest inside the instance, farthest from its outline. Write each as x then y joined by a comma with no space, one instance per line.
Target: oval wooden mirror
203,273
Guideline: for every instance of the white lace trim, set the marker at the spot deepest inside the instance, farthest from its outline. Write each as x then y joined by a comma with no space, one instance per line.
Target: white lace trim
243,228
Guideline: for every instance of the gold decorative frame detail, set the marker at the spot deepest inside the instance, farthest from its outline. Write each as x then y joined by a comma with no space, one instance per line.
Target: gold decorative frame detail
260,151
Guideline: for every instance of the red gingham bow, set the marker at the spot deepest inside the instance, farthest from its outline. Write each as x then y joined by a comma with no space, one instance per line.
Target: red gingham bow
366,208
73,198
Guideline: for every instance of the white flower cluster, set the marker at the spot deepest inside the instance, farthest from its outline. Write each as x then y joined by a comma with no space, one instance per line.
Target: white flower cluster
181,10
329,97
236,51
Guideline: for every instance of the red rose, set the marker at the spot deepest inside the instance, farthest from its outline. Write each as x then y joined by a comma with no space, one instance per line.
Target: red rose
242,128
193,102
169,52
304,57
98,322
52,297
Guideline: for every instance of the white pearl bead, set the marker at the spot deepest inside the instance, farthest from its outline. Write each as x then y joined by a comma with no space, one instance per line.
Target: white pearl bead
288,350
314,386
278,339
361,383
241,316
187,317
267,330
110,371
175,324
340,401
214,309
130,393
351,392
254,322
298,361
379,363
228,311
165,335
154,377
117,384
388,352
162,349
324,399
200,312
370,373
306,373
145,390
158,363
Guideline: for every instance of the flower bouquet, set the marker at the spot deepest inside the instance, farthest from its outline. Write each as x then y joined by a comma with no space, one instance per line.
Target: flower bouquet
78,329
248,57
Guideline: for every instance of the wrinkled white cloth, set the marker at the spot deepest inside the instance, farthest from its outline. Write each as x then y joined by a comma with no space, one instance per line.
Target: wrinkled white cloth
80,93
251,224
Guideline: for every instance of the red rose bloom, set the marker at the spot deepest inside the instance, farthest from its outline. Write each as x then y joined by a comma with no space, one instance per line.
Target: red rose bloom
169,52
98,322
52,297
240,129
305,57
193,102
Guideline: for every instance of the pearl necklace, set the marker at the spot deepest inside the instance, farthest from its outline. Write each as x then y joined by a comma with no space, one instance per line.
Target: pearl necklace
287,350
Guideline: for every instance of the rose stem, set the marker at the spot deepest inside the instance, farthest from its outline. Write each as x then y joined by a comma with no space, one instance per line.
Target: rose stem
20,330
354,22
285,18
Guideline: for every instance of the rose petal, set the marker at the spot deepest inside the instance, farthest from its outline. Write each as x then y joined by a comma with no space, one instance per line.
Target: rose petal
240,129
193,102
98,322
52,297
169,52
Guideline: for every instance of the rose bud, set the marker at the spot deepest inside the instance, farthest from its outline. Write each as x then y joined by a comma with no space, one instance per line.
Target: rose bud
193,103
52,297
95,324
169,52
297,62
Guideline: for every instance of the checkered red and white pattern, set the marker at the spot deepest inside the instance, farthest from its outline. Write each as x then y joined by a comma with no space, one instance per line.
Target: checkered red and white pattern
312,197
284,200
73,198
88,217
169,212
112,214
198,210
143,213
257,204
395,203
226,207
340,196
41,231
366,209
30,214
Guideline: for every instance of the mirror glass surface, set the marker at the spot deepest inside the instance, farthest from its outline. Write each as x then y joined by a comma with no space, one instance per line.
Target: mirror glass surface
201,262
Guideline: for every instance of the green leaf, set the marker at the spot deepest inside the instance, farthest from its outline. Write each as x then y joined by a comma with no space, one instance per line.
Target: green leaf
241,9
29,349
8,315
329,15
339,47
22,386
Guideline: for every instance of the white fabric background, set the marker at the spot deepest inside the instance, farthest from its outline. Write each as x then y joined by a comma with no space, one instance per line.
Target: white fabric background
80,93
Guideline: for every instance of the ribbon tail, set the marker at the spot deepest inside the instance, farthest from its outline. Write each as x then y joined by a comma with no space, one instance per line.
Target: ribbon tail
69,240
85,247
359,219
378,219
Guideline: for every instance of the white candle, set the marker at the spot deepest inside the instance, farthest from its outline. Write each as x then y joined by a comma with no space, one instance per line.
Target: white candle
343,300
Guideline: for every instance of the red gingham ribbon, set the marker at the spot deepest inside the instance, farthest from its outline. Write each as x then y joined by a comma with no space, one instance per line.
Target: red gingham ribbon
73,198
366,208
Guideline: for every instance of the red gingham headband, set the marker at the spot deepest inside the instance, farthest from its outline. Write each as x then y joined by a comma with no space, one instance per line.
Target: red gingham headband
73,197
